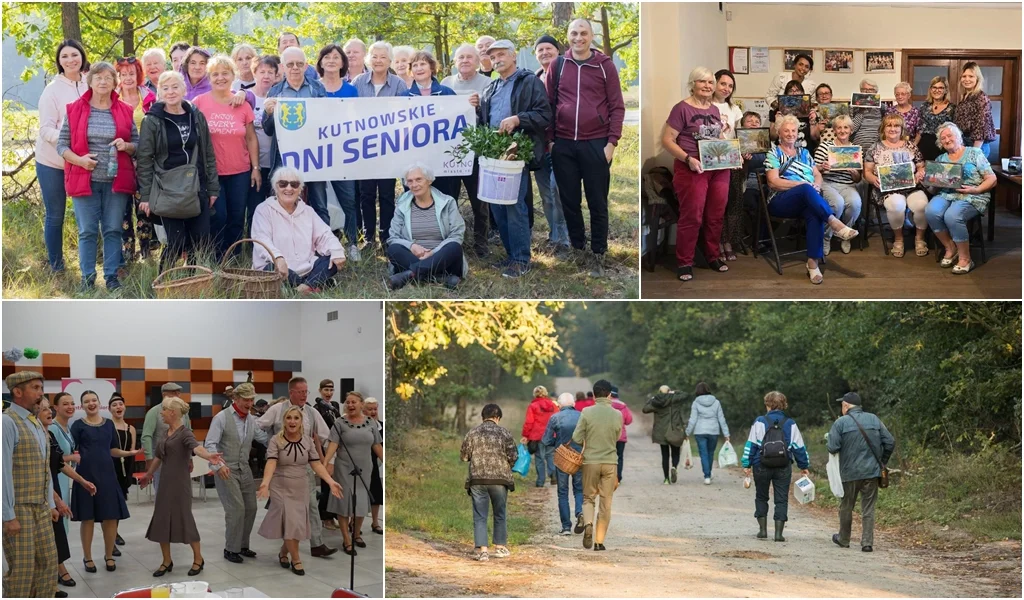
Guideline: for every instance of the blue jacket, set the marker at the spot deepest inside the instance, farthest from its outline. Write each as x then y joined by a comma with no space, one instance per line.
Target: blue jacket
706,417
794,440
315,90
436,89
561,427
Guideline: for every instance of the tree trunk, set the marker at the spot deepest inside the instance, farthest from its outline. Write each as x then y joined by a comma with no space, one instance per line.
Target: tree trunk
606,33
561,14
127,36
497,8
70,24
460,416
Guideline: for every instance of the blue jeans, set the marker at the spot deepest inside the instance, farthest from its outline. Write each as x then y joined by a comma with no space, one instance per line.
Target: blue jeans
548,189
346,193
228,218
513,224
544,461
706,448
55,201
323,269
316,197
951,216
805,202
485,496
256,197
563,495
100,214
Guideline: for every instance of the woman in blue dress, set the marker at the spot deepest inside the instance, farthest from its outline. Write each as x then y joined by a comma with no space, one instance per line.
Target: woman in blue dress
96,440
63,409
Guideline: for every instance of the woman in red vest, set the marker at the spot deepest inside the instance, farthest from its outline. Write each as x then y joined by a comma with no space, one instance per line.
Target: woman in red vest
97,142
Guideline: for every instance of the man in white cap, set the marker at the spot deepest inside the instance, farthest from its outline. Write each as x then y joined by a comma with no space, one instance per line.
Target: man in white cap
154,429
28,503
231,434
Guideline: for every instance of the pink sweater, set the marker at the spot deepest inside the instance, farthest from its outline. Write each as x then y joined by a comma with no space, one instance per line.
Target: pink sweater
627,416
298,237
52,112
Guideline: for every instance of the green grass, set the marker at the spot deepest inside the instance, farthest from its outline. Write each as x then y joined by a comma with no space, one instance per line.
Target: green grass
426,492
977,495
26,275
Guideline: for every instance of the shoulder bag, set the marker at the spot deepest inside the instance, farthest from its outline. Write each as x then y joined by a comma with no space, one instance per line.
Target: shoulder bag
883,480
175,192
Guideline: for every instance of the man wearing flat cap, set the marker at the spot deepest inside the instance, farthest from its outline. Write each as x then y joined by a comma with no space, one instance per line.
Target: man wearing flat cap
28,506
154,429
231,434
864,445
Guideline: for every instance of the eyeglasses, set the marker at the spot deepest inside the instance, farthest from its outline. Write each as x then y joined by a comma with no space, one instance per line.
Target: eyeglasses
284,184
295,65
938,87
131,60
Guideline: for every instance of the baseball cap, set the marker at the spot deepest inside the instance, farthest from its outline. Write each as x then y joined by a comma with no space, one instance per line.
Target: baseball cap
850,398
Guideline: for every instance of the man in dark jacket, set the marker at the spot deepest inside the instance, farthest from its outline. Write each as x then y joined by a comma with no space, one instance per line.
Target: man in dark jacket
547,49
583,87
516,100
862,442
490,451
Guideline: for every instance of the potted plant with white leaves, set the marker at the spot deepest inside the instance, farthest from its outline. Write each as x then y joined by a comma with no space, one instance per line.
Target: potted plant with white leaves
503,156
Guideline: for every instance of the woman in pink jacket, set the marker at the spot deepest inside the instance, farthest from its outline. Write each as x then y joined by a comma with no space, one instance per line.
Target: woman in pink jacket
302,246
67,87
627,418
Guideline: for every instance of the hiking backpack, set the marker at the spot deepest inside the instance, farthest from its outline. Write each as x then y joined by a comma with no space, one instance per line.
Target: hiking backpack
773,447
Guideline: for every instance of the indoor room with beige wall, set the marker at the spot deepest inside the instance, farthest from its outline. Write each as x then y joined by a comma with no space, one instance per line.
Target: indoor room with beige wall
679,36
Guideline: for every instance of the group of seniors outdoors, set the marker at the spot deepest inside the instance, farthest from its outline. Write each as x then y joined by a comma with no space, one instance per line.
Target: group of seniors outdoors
118,138
800,183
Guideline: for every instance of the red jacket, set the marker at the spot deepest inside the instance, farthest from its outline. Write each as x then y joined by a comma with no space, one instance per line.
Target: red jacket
586,402
537,416
588,104
77,180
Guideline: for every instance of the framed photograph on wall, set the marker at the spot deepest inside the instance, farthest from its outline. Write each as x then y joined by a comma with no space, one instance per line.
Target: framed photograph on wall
880,62
739,60
789,56
838,61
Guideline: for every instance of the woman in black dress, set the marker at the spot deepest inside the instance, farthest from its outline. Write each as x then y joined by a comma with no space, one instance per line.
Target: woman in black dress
58,466
96,441
126,440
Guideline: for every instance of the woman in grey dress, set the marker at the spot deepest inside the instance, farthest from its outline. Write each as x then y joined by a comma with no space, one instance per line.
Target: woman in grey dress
172,521
360,435
285,482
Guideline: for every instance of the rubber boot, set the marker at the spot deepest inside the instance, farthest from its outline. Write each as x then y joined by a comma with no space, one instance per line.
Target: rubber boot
762,525
779,526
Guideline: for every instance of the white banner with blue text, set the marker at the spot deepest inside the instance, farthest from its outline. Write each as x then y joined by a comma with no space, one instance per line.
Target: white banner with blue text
334,139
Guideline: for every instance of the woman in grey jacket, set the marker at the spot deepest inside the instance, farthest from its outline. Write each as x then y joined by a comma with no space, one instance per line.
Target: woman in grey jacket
707,422
425,239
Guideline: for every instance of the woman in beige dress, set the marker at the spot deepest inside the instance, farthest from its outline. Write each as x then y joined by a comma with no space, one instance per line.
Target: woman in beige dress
288,454
172,521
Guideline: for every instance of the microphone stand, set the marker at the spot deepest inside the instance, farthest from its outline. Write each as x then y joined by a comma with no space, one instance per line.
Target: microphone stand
357,477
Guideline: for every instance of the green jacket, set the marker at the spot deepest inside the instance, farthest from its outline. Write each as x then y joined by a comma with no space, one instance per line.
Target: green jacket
668,414
151,424
599,428
856,459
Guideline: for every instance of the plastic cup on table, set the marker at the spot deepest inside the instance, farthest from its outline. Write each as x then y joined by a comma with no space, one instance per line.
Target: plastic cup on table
160,591
178,590
235,592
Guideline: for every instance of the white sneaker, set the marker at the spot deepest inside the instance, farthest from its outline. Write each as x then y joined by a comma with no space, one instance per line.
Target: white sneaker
566,532
501,552
845,246
707,481
354,254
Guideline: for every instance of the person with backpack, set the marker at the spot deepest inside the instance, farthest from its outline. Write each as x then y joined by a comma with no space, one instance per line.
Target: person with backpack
774,443
707,422
669,428
864,446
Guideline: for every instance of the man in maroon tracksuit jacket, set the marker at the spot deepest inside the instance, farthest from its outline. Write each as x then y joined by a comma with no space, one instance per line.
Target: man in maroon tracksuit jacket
583,88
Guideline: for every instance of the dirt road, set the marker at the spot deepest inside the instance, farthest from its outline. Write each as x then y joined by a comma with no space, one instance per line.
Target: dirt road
687,539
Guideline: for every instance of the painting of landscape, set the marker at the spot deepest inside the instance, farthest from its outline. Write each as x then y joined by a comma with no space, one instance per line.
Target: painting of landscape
716,155
943,174
896,177
830,110
753,140
845,158
798,106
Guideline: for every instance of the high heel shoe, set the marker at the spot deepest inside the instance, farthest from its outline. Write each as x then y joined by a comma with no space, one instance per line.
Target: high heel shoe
282,559
163,569
194,571
89,569
110,567
298,570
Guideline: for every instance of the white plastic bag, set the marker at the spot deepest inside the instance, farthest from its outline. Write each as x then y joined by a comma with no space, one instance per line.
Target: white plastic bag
727,456
835,480
687,457
803,490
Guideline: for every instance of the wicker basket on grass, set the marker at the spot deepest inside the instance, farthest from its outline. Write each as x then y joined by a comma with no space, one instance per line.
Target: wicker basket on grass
191,286
249,283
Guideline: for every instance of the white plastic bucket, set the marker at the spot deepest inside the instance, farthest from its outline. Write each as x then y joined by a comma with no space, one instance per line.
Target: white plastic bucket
803,490
500,180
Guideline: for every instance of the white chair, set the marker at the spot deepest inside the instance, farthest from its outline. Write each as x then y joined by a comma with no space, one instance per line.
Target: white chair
200,467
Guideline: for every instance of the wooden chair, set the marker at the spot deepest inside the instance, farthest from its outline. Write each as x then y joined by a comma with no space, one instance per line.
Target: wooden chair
975,231
765,218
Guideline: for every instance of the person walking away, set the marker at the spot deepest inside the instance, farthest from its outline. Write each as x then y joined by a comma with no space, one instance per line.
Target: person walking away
707,422
598,429
669,430
537,416
627,418
774,443
559,431
583,89
29,508
490,451
864,446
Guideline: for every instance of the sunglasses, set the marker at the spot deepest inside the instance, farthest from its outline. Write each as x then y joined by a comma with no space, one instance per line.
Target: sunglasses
293,184
131,60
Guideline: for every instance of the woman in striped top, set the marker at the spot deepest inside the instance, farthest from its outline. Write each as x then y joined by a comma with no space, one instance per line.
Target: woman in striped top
839,188
796,193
